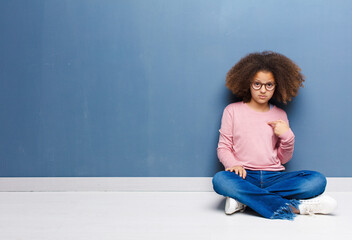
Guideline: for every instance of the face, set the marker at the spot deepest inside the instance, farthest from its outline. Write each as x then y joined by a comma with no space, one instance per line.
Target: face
262,95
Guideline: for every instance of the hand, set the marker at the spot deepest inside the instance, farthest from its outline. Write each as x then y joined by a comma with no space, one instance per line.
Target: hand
239,170
279,127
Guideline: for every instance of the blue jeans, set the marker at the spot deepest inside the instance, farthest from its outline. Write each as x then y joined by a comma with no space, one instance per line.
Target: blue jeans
269,193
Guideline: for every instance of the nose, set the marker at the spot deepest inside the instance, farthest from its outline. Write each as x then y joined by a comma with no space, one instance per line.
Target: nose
263,89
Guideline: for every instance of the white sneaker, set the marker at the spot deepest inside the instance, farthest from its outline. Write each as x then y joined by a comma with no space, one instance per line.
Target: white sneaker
232,206
322,204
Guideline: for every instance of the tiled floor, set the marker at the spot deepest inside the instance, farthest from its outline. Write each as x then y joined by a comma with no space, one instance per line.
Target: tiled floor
154,215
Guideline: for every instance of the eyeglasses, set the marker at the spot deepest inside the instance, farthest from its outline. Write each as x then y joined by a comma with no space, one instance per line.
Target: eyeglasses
258,85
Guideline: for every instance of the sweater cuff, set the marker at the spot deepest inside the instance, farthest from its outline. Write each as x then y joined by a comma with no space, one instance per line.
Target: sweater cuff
287,135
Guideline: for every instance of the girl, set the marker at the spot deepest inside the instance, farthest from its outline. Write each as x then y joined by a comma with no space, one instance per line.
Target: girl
256,140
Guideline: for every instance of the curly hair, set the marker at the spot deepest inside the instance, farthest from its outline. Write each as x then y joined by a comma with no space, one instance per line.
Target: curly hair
287,75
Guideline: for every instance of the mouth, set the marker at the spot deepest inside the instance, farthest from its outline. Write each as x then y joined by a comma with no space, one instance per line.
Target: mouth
262,96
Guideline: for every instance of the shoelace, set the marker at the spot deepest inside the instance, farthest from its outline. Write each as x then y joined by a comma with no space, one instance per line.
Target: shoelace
311,206
242,207
310,213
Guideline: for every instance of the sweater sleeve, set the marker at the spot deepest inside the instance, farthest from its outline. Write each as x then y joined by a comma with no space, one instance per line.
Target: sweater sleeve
286,146
225,145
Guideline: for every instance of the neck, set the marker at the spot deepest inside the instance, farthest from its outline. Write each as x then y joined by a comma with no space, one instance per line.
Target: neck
259,107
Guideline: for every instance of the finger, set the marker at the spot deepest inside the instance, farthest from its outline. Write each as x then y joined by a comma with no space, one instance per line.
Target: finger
236,171
273,124
284,122
240,172
244,173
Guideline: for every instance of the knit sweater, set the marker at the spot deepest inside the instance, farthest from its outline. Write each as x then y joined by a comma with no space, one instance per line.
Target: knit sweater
247,140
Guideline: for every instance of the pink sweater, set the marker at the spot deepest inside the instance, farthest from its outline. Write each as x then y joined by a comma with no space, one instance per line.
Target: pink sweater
247,140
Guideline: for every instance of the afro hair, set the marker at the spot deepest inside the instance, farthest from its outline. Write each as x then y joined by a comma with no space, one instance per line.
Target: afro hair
287,75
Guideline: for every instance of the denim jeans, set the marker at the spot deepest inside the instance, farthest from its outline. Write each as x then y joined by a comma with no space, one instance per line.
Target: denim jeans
270,193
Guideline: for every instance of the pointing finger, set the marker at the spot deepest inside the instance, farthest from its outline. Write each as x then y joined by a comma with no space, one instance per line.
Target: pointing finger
272,124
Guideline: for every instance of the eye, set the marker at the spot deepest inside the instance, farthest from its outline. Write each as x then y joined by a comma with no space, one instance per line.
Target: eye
257,84
270,85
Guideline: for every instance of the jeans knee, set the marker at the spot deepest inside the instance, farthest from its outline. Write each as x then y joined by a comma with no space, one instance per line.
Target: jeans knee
320,182
217,181
225,182
316,183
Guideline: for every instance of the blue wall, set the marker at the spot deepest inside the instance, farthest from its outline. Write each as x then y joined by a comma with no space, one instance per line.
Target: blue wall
136,88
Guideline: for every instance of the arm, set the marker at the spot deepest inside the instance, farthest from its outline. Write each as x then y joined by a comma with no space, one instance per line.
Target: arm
286,146
225,150
286,140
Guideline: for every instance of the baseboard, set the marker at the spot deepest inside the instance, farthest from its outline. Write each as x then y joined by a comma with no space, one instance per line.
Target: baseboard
131,184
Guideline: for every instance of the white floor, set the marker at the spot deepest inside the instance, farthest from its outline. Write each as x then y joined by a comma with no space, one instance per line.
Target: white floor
154,215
